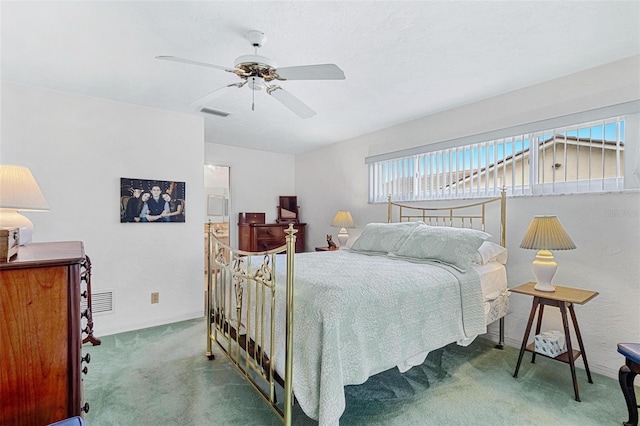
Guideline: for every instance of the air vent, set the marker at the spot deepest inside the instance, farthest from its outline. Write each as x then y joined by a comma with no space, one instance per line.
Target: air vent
101,303
214,112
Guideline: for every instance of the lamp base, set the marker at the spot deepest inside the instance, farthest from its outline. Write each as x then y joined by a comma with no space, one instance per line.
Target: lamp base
10,218
544,268
343,237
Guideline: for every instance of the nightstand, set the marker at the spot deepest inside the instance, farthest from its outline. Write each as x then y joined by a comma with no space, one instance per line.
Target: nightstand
563,298
326,248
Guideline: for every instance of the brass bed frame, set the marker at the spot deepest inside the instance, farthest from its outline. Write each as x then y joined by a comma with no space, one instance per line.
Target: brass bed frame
240,300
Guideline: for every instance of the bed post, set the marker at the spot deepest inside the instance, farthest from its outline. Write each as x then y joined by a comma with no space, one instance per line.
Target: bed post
288,381
503,243
503,217
389,207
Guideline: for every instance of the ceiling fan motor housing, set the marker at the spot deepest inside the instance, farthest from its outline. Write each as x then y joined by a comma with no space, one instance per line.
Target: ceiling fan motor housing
256,66
256,38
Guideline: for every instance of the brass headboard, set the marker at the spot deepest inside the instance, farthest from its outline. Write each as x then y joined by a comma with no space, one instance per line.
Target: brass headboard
460,216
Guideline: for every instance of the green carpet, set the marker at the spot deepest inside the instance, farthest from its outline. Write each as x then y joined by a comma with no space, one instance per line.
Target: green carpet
160,376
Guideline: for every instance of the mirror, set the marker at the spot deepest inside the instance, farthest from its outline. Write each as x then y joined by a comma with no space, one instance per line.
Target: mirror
288,209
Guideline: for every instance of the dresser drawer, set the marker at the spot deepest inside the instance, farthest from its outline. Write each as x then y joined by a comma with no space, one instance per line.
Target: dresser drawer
268,244
270,232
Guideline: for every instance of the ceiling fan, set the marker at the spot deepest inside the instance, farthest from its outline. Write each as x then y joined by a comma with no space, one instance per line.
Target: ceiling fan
259,72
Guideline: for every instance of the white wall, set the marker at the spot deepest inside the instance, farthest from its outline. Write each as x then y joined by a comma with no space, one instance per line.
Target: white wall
257,179
605,227
78,148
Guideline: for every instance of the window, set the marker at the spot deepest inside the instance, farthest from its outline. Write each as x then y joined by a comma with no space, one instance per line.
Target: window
584,157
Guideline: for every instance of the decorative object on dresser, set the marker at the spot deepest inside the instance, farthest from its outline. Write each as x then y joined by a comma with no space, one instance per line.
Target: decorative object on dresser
330,243
19,191
343,220
9,242
255,235
545,233
41,333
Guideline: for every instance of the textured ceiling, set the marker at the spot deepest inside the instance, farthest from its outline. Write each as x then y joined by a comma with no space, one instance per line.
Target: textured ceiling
402,60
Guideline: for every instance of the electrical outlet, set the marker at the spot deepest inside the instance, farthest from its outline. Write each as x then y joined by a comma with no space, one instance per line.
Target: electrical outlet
155,297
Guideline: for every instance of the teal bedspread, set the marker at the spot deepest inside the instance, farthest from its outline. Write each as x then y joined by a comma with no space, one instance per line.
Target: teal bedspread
357,315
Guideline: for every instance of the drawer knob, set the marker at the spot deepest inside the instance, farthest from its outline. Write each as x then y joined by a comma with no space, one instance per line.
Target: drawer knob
86,358
85,314
86,330
85,407
84,294
85,370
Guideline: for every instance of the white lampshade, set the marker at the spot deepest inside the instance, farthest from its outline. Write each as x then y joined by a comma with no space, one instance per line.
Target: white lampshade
19,191
545,233
343,220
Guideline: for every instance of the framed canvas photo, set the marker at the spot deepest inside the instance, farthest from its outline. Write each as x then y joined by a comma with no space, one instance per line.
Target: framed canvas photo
144,201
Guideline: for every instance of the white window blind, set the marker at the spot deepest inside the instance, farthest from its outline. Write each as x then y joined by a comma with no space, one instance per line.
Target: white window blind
582,157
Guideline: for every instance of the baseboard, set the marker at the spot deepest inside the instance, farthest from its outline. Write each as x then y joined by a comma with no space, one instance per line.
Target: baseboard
99,332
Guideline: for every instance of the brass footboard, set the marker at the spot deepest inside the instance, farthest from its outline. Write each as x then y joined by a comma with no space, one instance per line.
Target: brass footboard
242,318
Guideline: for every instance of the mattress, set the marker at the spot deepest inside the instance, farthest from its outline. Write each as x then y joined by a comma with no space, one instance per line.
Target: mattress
493,279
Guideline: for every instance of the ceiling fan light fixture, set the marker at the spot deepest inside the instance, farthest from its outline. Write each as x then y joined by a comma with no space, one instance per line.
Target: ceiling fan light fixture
255,83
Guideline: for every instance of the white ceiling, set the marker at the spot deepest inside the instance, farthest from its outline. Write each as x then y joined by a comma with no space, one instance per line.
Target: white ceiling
402,60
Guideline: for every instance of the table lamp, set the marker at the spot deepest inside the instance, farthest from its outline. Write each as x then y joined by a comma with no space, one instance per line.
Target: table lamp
343,220
19,191
545,233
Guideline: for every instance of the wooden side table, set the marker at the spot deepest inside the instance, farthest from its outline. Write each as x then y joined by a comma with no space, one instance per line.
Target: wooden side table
563,298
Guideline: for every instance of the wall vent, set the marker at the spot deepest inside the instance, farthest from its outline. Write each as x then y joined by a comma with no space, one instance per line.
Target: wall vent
212,111
101,302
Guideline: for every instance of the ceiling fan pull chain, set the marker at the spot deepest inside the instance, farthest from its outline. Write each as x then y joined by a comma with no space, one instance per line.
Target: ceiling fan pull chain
253,100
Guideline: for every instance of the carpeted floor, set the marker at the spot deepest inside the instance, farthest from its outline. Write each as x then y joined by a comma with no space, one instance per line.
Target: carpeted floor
160,376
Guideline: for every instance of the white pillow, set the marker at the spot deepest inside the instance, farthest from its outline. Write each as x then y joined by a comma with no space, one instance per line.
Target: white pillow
491,252
456,247
383,237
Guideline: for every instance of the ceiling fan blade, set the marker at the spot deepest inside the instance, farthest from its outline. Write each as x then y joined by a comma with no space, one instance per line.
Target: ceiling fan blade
214,94
311,72
291,102
189,61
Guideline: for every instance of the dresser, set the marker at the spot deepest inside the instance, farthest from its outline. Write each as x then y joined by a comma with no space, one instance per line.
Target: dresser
41,333
255,235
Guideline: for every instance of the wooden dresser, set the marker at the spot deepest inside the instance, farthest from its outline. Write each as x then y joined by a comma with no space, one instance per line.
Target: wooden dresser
255,235
40,333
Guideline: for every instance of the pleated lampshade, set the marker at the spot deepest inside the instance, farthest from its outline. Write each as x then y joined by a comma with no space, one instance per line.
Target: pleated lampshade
546,233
